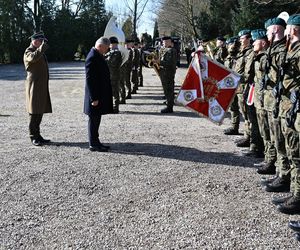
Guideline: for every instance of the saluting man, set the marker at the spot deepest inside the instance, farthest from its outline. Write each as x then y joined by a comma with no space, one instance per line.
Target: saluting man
37,86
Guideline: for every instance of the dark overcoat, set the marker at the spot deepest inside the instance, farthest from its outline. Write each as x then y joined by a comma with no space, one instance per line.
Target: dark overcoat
37,80
97,85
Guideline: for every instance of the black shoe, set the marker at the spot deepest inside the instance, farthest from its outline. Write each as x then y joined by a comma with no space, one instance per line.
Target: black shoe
253,153
133,92
122,102
265,180
167,110
279,200
297,236
291,206
42,140
36,142
141,85
244,143
104,146
98,149
278,185
260,164
128,96
116,111
295,225
269,168
231,131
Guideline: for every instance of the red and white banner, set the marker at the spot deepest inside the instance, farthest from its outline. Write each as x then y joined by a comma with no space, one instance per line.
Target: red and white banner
219,85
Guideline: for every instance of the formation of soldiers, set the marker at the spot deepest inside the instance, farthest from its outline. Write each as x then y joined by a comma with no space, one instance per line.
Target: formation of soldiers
268,60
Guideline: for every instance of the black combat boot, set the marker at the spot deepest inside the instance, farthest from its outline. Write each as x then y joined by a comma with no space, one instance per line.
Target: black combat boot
279,200
279,185
269,168
122,101
253,153
231,131
260,164
295,225
128,96
167,110
297,236
265,180
291,206
243,143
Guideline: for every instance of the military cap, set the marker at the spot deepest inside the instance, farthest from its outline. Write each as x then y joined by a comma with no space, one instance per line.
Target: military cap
244,32
113,39
221,38
258,34
128,41
38,36
275,21
166,38
294,20
231,40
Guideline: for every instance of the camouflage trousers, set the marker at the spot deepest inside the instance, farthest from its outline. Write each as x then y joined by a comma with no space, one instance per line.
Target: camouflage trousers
115,86
244,112
266,131
135,79
291,136
256,141
168,87
140,74
282,162
125,81
235,113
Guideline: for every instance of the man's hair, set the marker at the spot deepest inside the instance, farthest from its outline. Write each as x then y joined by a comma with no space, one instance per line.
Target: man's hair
102,40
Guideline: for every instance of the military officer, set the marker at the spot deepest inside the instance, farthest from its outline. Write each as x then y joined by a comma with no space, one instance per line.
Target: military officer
37,86
135,67
239,67
221,52
233,48
281,182
289,109
114,60
167,62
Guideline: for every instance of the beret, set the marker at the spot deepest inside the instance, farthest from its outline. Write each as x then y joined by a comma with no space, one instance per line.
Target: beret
38,36
294,20
113,39
258,34
275,21
166,38
244,32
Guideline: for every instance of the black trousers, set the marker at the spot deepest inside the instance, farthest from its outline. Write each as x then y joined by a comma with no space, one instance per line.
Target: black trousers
34,125
93,129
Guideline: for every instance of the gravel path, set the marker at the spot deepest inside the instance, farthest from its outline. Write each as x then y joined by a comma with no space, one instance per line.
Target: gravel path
170,181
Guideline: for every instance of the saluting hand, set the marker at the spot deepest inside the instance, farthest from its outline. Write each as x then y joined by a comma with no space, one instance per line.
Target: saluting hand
95,103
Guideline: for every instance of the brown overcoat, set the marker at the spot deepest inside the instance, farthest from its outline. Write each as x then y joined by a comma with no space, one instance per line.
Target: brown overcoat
37,80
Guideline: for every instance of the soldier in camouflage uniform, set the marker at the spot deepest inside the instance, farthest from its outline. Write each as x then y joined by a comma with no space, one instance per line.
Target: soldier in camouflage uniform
289,113
233,48
239,67
135,67
221,52
279,183
167,62
140,70
125,74
114,60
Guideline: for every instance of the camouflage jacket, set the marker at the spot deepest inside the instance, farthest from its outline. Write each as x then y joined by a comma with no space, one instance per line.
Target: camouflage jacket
221,55
135,59
291,80
259,61
276,54
168,59
127,66
114,61
229,61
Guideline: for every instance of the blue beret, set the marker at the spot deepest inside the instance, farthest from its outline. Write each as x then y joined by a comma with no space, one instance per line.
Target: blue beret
294,20
38,36
258,34
275,21
244,32
231,40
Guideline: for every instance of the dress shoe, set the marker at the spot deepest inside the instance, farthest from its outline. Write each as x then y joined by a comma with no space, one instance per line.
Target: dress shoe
167,110
98,149
279,200
295,225
231,131
128,96
36,142
265,180
278,185
42,140
243,143
253,153
269,168
291,206
260,164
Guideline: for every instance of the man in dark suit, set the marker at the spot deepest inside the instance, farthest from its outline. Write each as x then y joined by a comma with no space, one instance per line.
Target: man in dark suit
98,92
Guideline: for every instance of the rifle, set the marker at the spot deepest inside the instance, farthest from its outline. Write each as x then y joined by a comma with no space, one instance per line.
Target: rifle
292,113
266,79
278,89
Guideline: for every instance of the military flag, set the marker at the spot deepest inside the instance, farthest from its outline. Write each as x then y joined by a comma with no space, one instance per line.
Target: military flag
219,87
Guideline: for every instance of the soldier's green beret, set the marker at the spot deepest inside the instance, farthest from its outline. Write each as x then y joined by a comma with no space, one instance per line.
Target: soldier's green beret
128,41
275,21
258,34
244,32
231,40
294,20
38,36
166,38
113,39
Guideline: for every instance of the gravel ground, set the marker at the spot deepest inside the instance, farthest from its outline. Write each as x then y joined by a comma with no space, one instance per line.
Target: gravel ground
170,181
